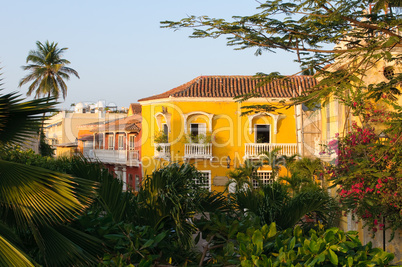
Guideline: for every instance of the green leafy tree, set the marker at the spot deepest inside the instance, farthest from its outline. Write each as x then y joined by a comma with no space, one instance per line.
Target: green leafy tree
351,33
48,70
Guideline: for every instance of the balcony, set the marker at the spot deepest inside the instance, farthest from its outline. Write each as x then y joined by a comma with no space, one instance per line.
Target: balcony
197,151
254,150
123,157
162,151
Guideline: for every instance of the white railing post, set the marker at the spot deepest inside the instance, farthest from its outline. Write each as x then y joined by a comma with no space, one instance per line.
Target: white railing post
253,150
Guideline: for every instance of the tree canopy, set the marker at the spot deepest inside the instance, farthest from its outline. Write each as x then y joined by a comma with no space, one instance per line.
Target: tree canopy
340,33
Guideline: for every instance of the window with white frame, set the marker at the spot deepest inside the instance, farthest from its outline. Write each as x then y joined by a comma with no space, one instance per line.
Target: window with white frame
120,142
205,180
262,133
131,143
110,144
265,177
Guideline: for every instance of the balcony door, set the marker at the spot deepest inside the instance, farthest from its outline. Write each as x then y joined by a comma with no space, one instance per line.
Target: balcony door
120,142
166,131
111,142
131,143
198,128
263,133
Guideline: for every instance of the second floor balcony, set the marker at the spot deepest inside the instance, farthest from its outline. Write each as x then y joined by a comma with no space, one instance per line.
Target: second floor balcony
124,157
162,151
254,150
198,151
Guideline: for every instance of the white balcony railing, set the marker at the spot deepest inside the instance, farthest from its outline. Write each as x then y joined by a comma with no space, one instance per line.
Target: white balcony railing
196,151
162,151
124,157
254,150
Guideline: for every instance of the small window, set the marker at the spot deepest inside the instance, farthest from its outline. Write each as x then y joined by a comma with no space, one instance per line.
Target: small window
121,142
205,181
110,142
265,178
262,133
131,142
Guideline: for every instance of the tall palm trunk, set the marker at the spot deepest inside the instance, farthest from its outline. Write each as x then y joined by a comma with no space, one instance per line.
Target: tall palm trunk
43,125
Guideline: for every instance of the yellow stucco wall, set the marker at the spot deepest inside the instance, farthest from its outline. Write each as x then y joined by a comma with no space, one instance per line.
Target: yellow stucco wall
230,132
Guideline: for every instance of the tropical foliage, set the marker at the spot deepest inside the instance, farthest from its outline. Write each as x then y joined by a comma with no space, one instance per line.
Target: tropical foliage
332,247
37,202
243,177
273,203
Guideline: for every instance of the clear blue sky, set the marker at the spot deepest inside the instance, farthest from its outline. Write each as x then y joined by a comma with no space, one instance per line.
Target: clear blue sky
119,49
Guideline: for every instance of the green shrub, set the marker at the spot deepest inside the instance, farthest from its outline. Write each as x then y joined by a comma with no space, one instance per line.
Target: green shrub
333,247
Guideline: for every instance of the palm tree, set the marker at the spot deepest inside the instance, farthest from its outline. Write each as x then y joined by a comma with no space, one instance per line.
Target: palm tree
273,159
272,203
243,176
297,183
48,71
308,168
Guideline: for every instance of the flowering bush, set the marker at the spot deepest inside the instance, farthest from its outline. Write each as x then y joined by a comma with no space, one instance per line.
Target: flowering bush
368,173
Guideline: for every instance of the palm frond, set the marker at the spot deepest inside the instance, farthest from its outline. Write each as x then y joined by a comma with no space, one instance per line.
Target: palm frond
20,120
12,256
111,197
32,195
83,249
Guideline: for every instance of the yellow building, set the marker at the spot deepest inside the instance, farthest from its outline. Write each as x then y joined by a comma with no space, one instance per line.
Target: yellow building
199,122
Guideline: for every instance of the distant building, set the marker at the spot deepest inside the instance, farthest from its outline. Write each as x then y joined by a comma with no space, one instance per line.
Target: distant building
117,144
61,130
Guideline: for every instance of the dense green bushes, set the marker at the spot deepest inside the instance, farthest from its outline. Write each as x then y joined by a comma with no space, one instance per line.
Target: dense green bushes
158,225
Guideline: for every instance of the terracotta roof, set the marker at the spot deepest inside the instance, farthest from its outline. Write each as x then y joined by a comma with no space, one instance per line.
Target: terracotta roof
130,123
135,108
88,137
232,86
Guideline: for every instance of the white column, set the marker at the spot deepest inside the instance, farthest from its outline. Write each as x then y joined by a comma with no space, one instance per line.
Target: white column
114,141
103,140
124,178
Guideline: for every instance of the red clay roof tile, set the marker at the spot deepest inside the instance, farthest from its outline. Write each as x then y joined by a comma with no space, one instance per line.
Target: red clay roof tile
232,86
